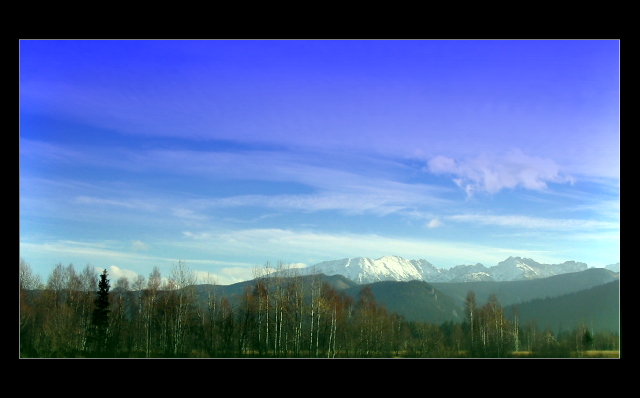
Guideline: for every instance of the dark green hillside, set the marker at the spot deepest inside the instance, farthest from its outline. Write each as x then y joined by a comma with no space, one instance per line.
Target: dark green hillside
414,300
234,291
598,308
439,302
512,292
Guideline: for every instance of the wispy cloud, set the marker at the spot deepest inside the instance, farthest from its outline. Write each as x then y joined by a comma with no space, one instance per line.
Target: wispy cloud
138,245
88,200
92,251
378,203
526,222
608,209
197,236
313,247
371,185
492,173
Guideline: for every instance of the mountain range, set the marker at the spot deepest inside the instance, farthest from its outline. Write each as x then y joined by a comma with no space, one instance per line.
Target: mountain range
363,270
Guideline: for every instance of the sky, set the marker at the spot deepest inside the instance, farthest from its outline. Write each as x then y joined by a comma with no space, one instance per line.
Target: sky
232,155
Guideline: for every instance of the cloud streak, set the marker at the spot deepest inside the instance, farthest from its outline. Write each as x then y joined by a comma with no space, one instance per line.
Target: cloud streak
381,203
526,222
314,247
375,180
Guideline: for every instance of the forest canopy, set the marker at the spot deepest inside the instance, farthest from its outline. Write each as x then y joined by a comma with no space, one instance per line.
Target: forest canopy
84,314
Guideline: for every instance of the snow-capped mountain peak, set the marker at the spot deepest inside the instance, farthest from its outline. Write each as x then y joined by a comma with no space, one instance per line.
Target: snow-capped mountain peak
366,270
395,268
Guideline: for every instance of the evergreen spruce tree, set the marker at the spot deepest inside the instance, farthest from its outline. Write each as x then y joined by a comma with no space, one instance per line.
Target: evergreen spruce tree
100,319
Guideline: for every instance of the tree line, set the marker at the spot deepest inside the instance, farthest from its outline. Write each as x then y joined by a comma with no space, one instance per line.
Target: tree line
79,314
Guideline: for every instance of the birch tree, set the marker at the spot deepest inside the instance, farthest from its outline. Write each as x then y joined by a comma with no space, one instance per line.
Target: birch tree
247,321
470,311
138,320
29,282
314,315
185,298
149,297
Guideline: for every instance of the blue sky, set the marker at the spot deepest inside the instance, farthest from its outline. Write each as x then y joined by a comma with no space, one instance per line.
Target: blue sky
229,154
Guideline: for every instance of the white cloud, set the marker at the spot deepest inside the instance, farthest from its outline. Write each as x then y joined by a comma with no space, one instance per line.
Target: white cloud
490,173
197,236
115,273
224,276
139,246
434,223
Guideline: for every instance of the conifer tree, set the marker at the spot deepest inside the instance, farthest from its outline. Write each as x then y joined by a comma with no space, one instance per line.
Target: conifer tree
100,319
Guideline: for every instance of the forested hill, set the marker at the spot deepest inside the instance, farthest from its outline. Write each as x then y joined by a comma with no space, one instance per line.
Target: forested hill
513,292
303,316
234,291
414,300
440,302
598,308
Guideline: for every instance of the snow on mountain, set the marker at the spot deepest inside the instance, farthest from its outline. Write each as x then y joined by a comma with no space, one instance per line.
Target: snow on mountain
472,277
365,270
463,273
429,272
516,268
394,268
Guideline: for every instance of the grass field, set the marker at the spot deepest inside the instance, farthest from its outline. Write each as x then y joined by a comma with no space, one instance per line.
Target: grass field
583,354
601,354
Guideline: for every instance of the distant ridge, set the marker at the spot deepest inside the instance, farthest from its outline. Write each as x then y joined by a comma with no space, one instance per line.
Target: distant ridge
514,292
613,267
597,308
